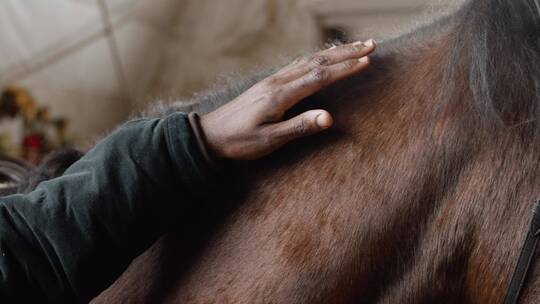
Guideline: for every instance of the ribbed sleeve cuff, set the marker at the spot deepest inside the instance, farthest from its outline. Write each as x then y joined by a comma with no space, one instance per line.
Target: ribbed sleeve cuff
195,122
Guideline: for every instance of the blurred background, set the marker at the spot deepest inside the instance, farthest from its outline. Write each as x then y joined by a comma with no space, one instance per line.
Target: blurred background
71,70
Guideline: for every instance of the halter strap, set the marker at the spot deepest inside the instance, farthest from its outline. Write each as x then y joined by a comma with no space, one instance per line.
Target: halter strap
525,259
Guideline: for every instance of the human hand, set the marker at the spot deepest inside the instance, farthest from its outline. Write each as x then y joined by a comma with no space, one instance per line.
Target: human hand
251,126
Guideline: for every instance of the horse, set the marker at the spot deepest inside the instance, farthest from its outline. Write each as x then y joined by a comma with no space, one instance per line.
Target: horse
421,193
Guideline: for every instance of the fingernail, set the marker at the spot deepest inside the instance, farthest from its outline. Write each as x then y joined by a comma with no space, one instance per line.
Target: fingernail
359,43
333,47
323,121
370,43
364,59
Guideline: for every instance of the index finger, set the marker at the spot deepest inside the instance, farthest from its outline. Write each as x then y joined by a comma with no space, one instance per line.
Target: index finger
331,56
318,78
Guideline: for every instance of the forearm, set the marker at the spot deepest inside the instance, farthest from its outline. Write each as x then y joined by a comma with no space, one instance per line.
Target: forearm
71,237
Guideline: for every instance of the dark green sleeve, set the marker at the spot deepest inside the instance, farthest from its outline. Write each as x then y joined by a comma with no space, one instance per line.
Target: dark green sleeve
73,236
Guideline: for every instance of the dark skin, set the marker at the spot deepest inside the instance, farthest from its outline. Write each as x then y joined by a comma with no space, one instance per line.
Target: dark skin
252,126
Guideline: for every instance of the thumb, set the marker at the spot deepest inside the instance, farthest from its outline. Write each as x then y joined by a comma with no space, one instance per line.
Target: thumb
305,124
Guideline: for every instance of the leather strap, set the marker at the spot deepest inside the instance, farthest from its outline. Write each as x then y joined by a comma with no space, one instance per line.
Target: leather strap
525,259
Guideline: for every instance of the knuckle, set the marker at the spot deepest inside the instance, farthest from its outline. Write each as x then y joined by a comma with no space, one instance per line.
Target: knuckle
272,80
349,64
272,115
354,48
301,60
301,127
274,92
320,60
269,92
269,84
267,139
320,75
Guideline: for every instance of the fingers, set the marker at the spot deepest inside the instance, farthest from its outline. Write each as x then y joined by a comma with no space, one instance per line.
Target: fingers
308,123
324,58
318,78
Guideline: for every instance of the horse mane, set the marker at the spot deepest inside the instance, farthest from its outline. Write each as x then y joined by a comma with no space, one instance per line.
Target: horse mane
492,59
496,49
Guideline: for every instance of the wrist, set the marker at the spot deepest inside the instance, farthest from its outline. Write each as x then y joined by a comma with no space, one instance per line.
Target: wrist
206,149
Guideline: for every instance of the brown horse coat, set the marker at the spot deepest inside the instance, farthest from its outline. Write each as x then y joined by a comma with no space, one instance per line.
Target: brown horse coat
420,194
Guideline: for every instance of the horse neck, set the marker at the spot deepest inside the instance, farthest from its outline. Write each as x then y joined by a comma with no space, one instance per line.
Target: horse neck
359,205
407,190
422,188
449,195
